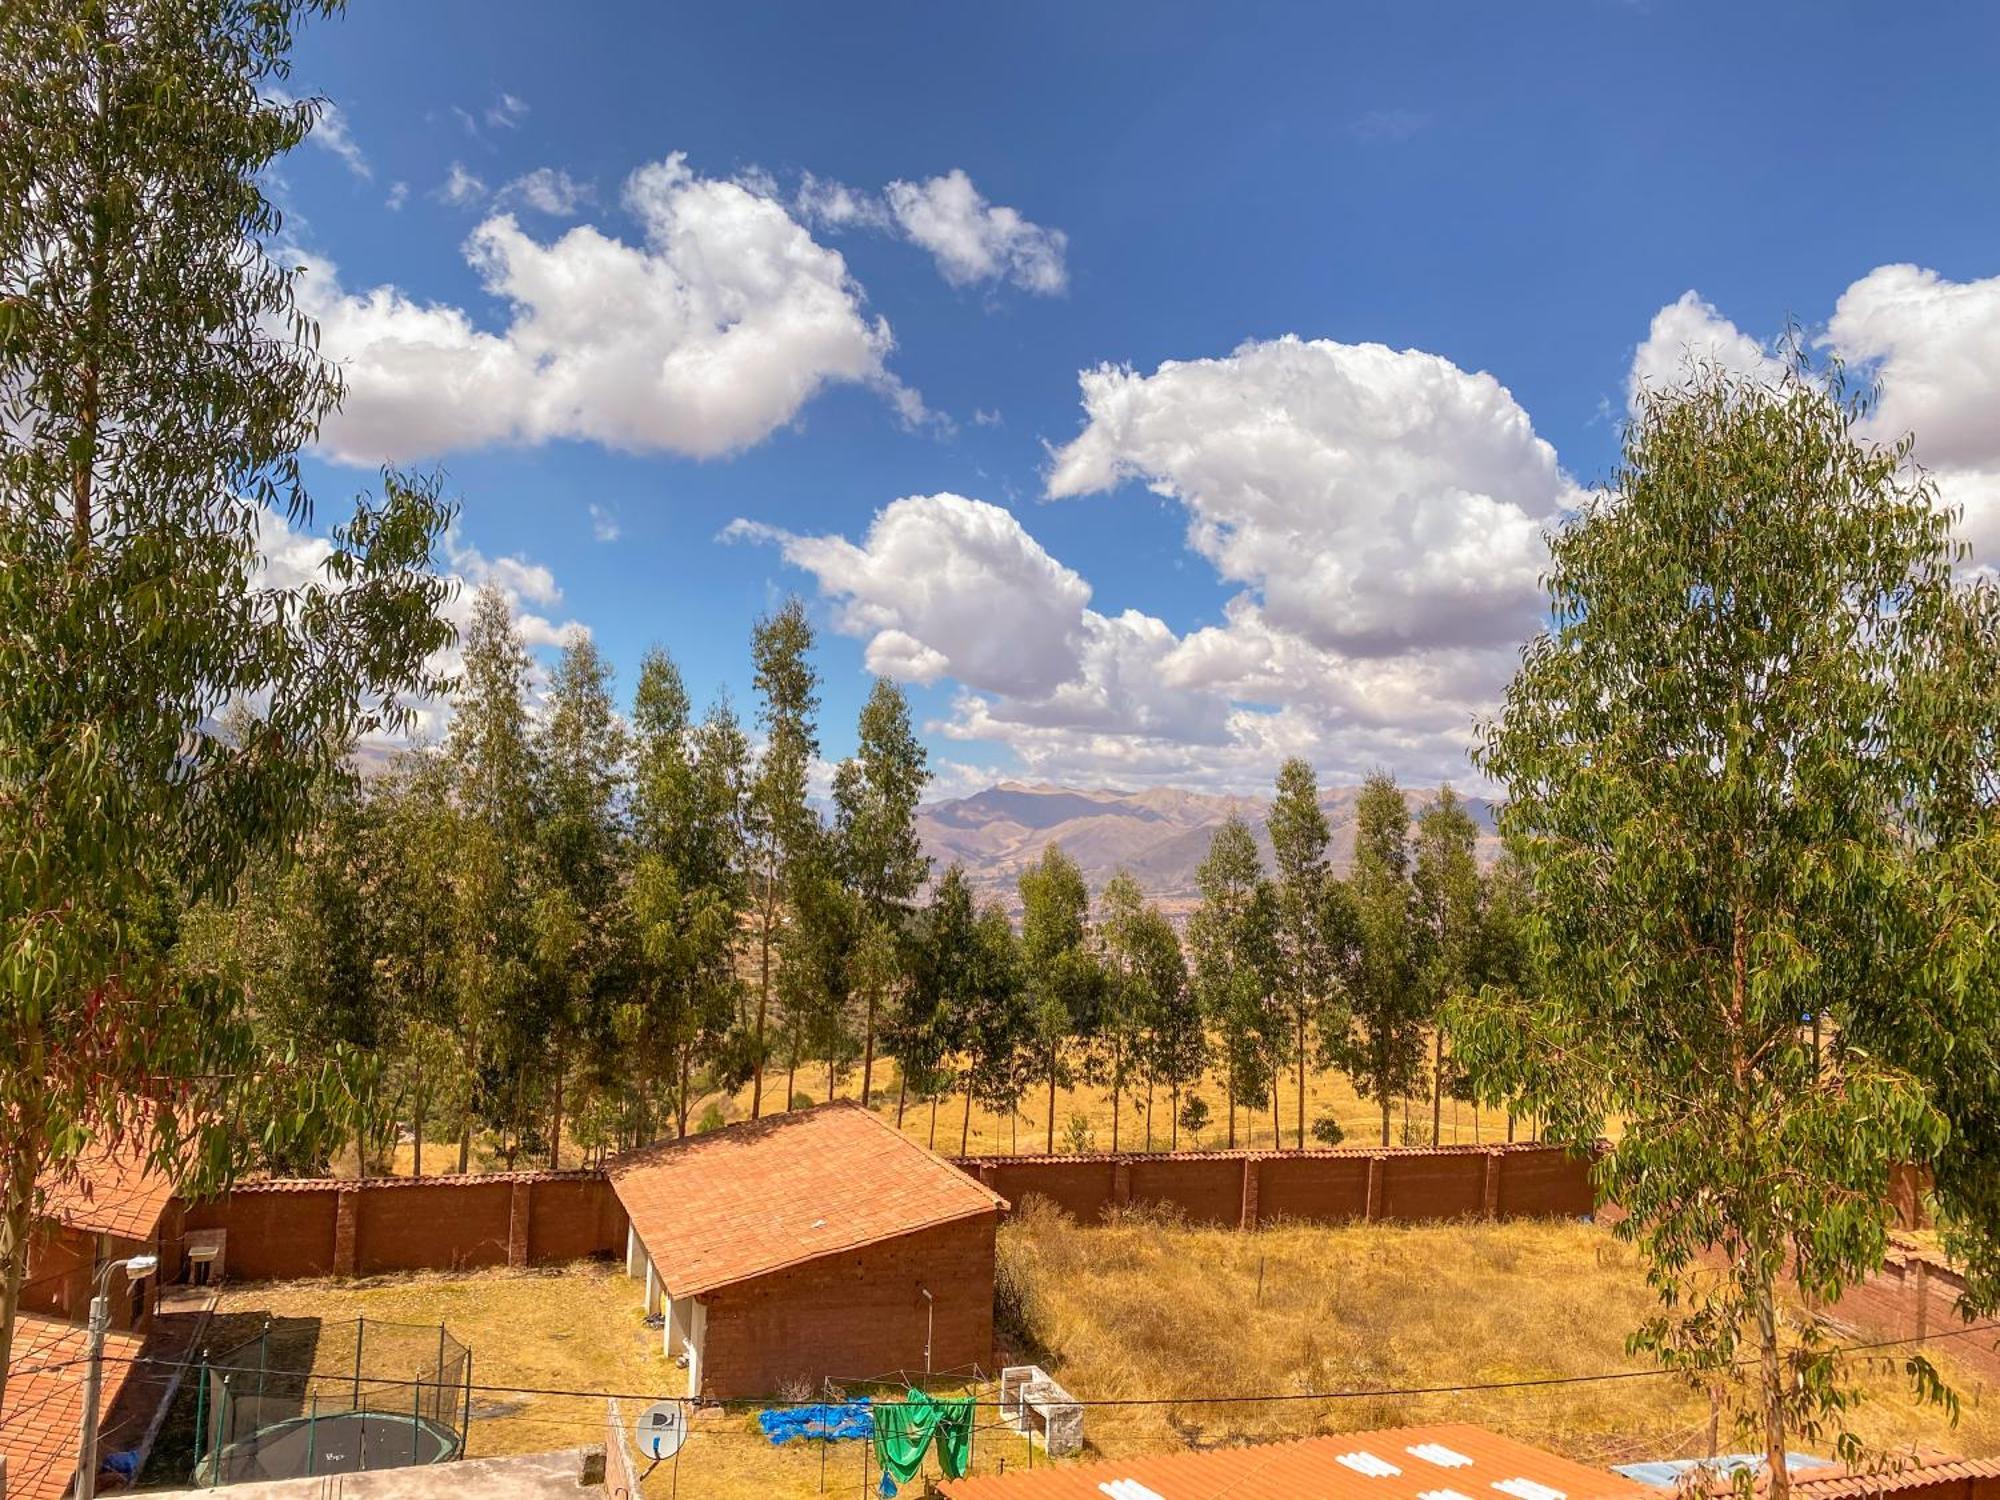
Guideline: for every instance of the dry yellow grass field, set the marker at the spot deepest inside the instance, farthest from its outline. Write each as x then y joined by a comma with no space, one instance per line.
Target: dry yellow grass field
1142,1307
1146,1308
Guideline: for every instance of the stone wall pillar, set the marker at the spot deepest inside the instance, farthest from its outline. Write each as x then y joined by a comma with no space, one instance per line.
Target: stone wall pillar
1249,1219
1378,1167
347,1231
519,1210
1121,1182
1495,1163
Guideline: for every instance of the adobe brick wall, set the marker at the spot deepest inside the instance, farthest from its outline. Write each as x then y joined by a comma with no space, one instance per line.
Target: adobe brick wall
279,1231
1405,1184
856,1315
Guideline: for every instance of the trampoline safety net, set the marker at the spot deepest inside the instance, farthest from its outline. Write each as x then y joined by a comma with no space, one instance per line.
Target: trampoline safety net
303,1397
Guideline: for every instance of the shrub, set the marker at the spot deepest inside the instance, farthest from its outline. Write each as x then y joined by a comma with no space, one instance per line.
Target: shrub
1327,1131
802,1101
711,1119
1194,1117
1079,1139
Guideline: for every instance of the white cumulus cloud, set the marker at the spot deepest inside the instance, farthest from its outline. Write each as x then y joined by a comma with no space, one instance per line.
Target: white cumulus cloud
547,190
973,240
702,338
1377,501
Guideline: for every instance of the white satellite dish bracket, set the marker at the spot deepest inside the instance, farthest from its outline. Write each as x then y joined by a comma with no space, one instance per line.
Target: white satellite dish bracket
661,1429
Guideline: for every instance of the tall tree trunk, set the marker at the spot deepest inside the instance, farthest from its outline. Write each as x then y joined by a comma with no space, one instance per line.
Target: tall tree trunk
965,1120
1779,1476
764,998
1149,1109
868,1053
934,1104
17,1196
791,1074
681,1092
1050,1149
1277,1138
832,1077
418,1109
1510,1124
1437,1086
1300,1138
556,1124
1174,1139
1117,1080
1385,1116
1232,1101
903,1096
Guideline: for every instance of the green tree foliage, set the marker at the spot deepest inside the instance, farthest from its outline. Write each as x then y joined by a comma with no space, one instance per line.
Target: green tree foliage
1233,936
1382,1048
782,828
875,795
1745,768
580,771
156,383
997,1022
490,753
1065,981
1149,1023
1450,911
1304,949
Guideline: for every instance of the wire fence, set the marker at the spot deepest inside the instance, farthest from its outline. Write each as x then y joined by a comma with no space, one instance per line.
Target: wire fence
304,1398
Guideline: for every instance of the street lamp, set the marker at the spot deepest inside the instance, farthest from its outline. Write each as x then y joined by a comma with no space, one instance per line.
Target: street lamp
137,1268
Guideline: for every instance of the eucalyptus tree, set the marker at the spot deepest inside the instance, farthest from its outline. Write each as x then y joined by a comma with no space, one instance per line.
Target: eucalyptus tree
927,1028
1382,1047
1304,956
157,380
1750,769
875,794
996,1023
580,773
1449,911
783,830
490,755
1064,980
1145,1014
1233,938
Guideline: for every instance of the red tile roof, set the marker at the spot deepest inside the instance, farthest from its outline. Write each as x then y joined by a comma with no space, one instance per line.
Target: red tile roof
38,1428
1449,1462
111,1192
738,1202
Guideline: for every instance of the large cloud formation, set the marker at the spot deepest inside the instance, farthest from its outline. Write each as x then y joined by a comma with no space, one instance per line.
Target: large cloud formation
1932,345
702,339
1382,509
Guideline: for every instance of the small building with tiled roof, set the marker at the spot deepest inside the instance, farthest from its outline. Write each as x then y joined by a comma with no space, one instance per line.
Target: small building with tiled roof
115,1204
820,1243
1452,1461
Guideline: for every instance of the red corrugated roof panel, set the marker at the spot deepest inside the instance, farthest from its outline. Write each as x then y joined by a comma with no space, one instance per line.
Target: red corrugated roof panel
735,1203
1455,1461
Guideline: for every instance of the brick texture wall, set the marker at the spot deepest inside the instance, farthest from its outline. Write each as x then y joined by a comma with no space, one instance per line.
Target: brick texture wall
855,1315
282,1230
1406,1184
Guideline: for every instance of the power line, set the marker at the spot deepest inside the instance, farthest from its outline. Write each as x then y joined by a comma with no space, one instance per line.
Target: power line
1102,1402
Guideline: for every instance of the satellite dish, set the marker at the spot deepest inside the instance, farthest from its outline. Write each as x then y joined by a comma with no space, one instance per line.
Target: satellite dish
661,1429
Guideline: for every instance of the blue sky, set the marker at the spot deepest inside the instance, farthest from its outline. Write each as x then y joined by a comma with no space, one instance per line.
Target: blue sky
633,273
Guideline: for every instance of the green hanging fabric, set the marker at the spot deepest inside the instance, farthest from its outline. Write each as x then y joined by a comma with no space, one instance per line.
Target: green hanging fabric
903,1431
954,1436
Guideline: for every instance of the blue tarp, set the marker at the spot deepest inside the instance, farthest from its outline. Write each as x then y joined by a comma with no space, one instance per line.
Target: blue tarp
838,1421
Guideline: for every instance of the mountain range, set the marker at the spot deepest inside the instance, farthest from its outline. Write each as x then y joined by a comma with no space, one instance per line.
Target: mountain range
1159,835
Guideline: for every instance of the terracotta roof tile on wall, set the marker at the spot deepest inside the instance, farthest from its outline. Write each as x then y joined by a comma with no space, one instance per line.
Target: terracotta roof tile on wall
738,1202
38,1428
1454,1461
113,1192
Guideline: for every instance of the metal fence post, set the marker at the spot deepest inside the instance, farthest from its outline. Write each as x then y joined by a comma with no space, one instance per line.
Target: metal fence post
465,1428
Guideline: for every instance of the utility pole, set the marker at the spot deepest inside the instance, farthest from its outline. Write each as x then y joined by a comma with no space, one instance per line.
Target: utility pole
137,1268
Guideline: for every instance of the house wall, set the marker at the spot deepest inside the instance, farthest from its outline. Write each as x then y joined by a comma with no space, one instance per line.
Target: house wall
855,1314
62,1271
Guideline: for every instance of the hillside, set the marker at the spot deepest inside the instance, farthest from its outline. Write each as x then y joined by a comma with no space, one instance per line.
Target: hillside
1159,835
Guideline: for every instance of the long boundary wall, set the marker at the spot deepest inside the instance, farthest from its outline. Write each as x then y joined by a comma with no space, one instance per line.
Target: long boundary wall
1409,1185
325,1227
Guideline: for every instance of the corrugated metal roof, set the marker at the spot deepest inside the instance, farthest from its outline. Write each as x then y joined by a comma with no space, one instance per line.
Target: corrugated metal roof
1455,1461
716,1209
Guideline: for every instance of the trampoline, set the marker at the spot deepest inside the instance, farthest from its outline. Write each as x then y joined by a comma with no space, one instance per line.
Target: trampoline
303,1398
